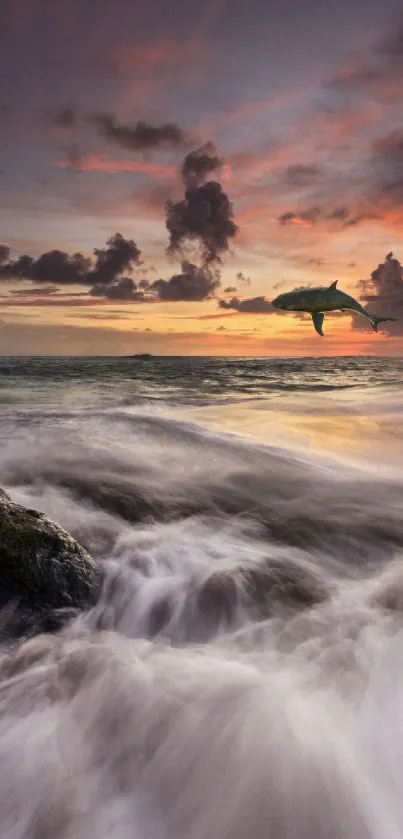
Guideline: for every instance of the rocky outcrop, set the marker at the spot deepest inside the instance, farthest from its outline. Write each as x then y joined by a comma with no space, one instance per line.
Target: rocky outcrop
45,575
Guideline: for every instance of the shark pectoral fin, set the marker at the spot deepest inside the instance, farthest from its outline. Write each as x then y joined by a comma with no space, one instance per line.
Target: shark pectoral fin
333,286
317,320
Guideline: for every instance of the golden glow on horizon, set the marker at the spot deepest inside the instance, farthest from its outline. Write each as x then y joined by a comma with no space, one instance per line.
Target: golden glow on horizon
149,328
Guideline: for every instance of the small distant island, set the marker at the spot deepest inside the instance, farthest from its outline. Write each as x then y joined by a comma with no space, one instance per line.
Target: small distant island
141,355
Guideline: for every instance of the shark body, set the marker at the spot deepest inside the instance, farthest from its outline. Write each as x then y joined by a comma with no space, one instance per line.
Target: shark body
317,301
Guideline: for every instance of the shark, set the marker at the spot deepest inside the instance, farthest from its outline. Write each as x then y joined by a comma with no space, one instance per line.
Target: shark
317,301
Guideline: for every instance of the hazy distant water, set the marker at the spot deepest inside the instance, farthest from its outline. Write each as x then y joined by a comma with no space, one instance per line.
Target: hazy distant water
242,674
41,382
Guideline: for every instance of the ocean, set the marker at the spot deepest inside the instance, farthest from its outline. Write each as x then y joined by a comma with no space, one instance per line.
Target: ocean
241,675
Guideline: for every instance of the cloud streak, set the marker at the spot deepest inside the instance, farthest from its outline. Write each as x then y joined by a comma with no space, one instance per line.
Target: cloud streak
142,136
75,161
249,305
341,217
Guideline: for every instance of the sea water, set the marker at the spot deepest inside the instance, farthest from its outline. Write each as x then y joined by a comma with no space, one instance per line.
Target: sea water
242,673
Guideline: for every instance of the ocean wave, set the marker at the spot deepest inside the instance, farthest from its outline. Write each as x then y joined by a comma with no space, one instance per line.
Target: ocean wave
158,468
240,674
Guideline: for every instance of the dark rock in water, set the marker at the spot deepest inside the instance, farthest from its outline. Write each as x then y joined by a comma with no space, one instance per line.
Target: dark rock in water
45,575
226,598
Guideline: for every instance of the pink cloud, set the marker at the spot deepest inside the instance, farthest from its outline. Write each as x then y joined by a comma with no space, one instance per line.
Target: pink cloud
96,163
159,53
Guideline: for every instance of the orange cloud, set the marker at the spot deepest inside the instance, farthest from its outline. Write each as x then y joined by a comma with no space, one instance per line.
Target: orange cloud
219,315
301,221
50,302
96,163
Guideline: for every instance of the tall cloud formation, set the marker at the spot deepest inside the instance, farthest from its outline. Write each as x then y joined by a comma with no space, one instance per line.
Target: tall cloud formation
141,136
205,216
382,294
199,164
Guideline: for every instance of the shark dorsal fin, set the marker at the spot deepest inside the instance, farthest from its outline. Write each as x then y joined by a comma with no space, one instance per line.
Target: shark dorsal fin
333,286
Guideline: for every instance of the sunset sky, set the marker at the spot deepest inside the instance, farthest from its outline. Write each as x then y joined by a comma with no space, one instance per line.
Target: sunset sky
109,110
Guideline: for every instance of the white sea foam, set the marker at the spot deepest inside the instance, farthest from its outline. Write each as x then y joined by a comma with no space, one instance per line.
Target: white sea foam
241,675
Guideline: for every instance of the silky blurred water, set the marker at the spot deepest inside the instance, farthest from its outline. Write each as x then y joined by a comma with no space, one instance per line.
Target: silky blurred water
241,674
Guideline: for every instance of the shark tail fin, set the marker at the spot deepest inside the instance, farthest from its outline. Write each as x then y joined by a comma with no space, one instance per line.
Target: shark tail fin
375,321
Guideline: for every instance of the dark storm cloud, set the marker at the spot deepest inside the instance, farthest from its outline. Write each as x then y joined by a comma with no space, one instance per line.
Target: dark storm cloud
141,136
199,164
123,289
300,175
65,118
251,305
52,266
205,216
382,294
119,256
193,283
231,289
106,275
103,273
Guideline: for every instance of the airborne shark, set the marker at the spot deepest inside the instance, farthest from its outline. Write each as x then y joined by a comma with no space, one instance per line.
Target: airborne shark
317,301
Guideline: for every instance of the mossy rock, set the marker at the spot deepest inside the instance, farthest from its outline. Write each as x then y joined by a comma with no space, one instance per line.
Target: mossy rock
45,575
